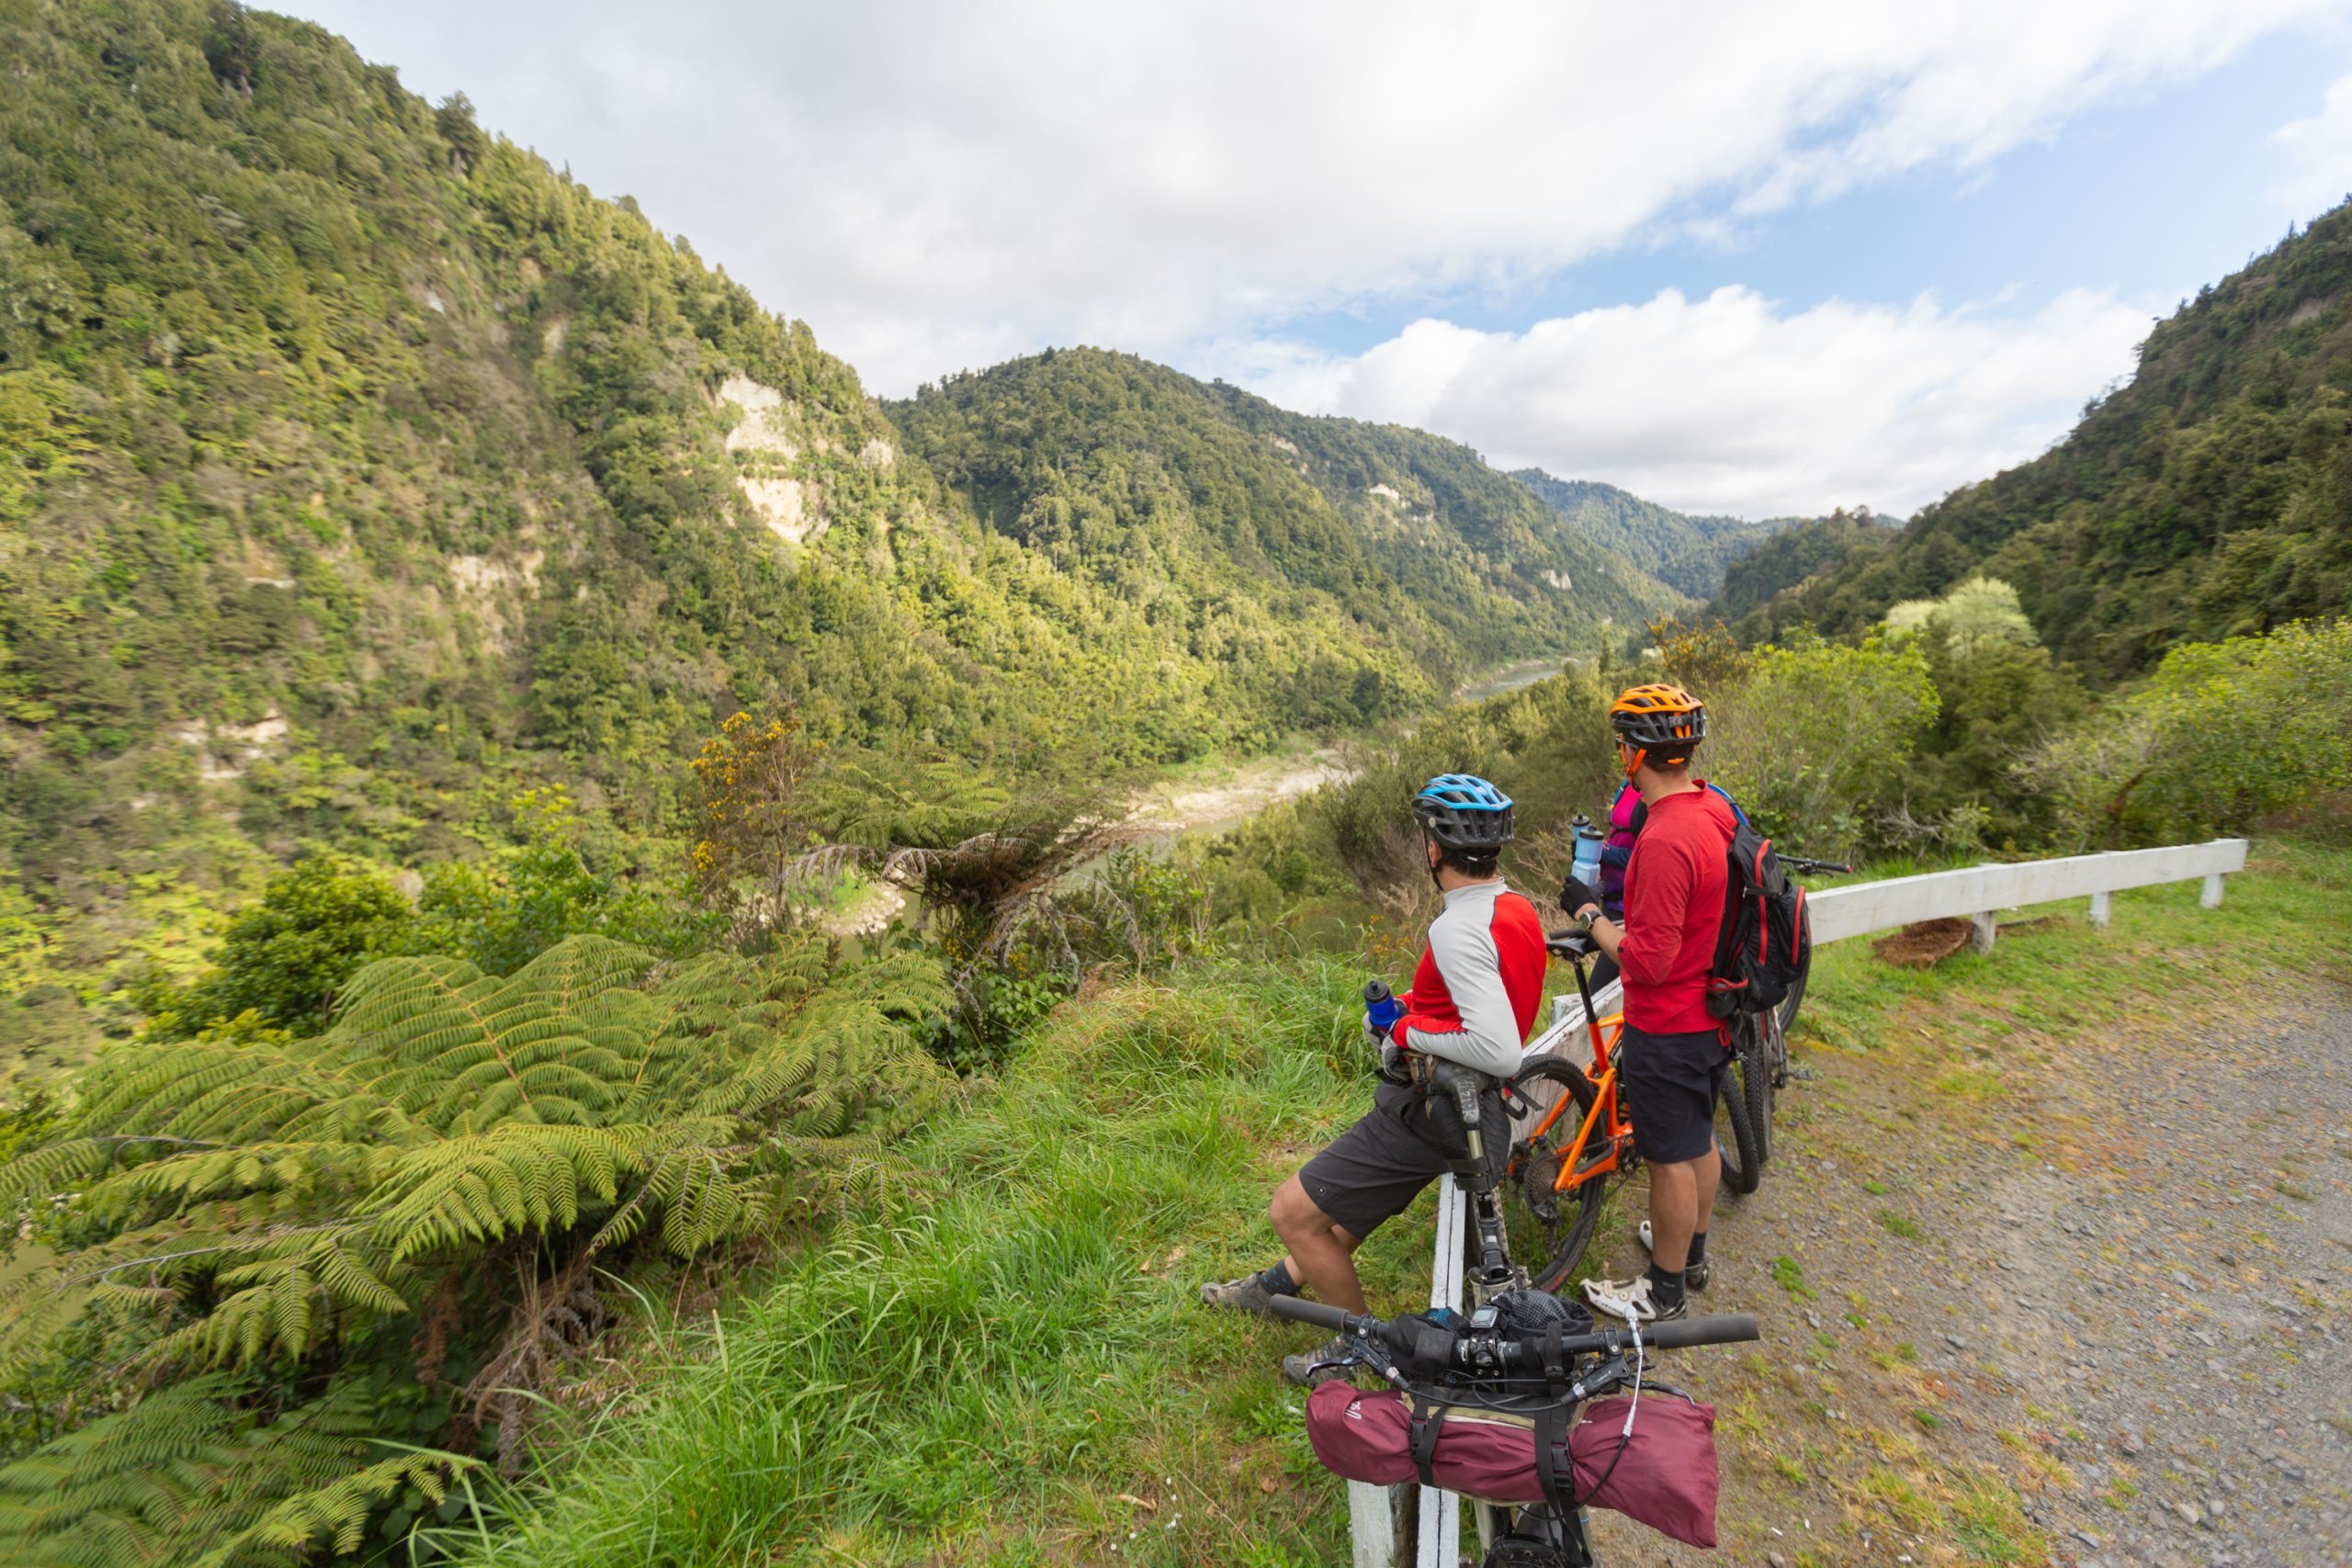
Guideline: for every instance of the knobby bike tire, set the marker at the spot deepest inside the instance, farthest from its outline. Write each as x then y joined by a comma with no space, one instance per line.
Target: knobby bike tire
1788,1007
1557,1228
1735,1145
1757,1074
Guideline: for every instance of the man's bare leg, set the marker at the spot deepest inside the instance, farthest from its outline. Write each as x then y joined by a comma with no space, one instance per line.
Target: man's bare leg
1681,1198
1320,1255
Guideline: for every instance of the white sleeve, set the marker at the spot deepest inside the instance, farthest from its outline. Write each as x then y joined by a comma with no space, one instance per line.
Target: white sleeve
1488,1039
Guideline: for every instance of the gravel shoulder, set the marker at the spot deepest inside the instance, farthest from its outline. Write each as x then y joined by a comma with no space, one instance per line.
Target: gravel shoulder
2031,1300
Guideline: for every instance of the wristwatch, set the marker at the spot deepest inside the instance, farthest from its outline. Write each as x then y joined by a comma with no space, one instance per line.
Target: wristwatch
1584,918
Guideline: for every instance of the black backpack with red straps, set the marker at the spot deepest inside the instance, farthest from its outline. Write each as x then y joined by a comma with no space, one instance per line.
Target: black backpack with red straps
1767,936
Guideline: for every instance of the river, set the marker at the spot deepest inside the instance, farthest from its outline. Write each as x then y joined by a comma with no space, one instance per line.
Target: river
1511,677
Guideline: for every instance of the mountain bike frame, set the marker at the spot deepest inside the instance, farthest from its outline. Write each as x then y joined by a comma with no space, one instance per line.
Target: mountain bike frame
1607,1116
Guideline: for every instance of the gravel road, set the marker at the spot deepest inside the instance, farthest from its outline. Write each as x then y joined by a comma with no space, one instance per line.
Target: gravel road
2080,1305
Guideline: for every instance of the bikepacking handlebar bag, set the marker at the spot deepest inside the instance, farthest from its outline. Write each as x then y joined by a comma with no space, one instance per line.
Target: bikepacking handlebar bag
1665,1477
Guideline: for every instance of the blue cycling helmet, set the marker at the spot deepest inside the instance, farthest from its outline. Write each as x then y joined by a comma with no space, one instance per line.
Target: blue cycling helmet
1463,811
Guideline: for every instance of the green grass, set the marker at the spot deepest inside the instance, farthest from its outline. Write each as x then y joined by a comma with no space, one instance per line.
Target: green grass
1789,1274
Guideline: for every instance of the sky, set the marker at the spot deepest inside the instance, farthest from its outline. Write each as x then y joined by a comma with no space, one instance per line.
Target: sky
1763,260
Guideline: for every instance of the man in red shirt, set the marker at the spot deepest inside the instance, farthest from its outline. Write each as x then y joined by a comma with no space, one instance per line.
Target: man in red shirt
1674,1055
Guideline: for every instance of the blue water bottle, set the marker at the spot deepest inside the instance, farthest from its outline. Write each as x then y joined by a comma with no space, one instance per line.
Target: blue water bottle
1381,1008
1587,863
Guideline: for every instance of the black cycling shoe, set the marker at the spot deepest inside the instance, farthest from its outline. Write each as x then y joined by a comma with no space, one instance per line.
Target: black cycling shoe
1694,1275
1302,1366
1248,1293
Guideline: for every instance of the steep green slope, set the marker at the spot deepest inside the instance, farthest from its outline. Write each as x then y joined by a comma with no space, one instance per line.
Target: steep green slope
357,469
1685,552
1393,562
1795,554
2210,497
360,467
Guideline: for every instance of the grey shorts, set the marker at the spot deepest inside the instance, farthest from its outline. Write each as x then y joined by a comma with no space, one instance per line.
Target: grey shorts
1372,1172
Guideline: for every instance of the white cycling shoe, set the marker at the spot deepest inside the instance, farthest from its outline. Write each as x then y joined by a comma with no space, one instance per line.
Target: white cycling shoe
1624,1299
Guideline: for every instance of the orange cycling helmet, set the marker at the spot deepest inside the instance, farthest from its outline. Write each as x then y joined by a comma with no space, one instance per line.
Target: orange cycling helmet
1665,721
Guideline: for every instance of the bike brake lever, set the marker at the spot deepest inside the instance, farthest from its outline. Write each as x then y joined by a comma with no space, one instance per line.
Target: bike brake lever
1363,1353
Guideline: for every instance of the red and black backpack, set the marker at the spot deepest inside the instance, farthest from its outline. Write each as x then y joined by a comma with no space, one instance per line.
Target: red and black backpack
1767,936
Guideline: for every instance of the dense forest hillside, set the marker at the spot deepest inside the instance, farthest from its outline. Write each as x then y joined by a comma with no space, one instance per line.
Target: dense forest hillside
1796,555
358,469
1409,560
1687,553
2210,497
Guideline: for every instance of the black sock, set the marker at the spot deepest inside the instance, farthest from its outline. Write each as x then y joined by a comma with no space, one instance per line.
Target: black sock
1666,1286
1697,1250
1277,1279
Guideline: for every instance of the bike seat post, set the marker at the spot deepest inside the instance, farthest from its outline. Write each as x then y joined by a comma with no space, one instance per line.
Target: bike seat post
1468,1089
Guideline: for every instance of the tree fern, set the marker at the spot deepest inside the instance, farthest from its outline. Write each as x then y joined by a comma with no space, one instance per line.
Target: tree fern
186,1476
266,1204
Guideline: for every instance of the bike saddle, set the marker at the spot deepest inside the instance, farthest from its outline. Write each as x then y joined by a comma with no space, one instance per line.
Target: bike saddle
1572,944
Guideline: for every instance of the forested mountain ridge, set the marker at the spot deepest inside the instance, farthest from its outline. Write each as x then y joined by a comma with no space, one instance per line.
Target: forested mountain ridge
361,468
1400,542
358,469
2210,496
1795,554
1686,552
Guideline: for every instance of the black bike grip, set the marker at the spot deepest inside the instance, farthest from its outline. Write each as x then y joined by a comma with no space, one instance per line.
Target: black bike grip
1721,1328
1331,1317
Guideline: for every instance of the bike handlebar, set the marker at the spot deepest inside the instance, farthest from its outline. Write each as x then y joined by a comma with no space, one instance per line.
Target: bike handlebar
1724,1328
1805,866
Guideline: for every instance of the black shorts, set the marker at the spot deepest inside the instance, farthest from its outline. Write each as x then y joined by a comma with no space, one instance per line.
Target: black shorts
1372,1172
1671,1082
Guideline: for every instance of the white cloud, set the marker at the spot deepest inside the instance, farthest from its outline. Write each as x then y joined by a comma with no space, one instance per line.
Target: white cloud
2318,153
1730,403
937,185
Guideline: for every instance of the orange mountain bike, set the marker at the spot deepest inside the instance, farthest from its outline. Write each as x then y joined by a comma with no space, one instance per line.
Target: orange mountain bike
1582,1141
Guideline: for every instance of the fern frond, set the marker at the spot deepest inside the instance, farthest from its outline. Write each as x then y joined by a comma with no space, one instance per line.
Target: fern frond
486,1186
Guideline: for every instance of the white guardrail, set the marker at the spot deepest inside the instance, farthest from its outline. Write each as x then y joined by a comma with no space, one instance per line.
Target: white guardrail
1978,893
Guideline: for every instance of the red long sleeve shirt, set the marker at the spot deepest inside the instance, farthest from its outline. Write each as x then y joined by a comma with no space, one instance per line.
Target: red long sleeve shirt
1674,907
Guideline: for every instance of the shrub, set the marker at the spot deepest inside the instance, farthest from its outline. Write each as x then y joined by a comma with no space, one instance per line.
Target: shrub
1815,741
283,961
501,913
2223,734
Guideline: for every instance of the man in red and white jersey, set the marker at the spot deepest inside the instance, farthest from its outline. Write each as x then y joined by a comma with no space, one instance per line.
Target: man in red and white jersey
1475,994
